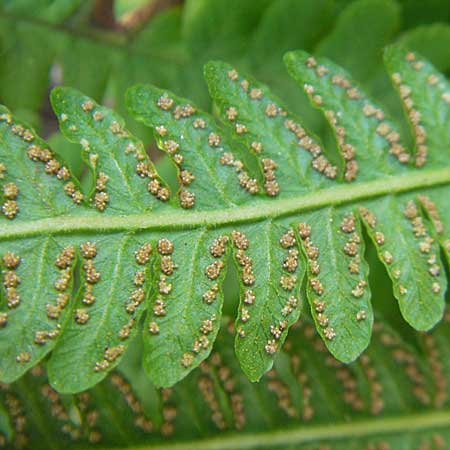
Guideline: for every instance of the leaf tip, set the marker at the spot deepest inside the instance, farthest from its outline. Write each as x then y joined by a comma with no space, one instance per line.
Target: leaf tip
214,70
295,56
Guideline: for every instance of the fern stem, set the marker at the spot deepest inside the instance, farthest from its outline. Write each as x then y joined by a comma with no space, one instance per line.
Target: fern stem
383,427
257,210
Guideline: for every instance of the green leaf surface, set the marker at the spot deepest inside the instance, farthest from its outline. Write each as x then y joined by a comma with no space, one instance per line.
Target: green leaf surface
137,309
260,122
364,143
270,305
109,304
117,160
32,168
406,246
182,321
136,250
195,144
431,202
338,290
420,84
34,321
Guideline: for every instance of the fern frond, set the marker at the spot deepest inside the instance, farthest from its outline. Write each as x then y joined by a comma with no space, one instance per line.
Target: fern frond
81,266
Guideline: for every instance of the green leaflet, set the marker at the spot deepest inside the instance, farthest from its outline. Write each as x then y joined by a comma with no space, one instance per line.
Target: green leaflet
83,267
337,289
34,319
259,121
440,222
429,125
186,309
192,308
365,142
382,399
270,305
411,255
207,167
115,279
117,160
34,169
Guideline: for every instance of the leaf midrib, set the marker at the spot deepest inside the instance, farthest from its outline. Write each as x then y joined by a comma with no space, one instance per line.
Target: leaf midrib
254,212
426,421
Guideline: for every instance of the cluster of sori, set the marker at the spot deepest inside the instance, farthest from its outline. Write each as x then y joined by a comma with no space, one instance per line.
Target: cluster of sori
167,267
91,278
288,282
11,280
241,245
312,255
421,233
38,153
214,368
172,147
383,126
414,115
10,207
212,271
